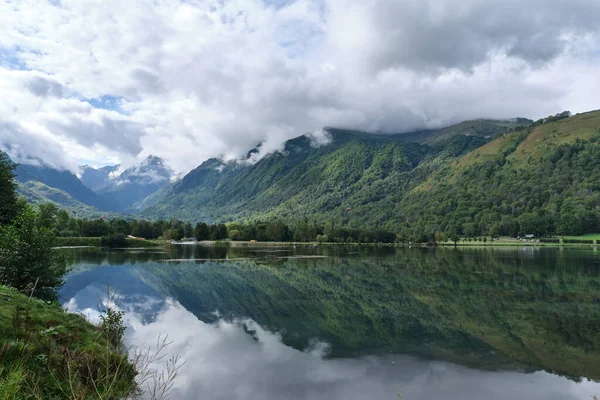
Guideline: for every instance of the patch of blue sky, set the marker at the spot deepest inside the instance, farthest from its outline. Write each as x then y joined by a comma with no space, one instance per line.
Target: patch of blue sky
107,102
299,39
9,59
279,3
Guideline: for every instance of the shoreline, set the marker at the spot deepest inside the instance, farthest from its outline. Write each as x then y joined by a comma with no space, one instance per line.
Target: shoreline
213,243
68,243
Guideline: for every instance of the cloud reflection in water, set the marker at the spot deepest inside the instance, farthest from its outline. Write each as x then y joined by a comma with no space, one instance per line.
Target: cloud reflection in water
240,360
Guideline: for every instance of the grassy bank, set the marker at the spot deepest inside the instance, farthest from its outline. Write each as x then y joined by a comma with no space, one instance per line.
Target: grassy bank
95,241
48,353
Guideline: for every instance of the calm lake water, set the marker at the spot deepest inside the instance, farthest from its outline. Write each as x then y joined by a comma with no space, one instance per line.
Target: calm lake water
358,323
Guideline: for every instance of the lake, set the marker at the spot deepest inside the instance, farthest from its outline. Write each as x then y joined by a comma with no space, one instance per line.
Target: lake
358,322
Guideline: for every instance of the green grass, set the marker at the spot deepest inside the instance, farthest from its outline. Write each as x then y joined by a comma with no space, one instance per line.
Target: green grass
588,236
48,353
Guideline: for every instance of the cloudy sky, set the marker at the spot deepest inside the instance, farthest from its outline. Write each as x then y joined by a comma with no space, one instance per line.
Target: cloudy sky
107,81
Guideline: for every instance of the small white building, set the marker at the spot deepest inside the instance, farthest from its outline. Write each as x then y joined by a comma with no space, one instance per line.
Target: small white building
529,236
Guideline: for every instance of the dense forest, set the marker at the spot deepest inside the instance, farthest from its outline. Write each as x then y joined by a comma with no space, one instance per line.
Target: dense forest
543,181
115,230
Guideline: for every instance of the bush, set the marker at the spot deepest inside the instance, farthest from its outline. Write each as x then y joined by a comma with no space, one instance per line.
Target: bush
27,256
115,240
582,241
235,235
322,238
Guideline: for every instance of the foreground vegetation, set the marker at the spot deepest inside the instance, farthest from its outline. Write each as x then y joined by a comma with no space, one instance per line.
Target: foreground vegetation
48,353
45,352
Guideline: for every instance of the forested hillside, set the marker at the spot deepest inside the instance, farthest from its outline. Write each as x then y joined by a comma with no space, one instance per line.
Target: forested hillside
352,178
542,179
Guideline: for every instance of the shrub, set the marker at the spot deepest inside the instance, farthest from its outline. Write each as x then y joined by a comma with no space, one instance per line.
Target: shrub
115,240
235,235
582,241
27,257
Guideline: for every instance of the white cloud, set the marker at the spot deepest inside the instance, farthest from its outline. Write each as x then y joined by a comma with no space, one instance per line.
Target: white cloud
222,361
191,80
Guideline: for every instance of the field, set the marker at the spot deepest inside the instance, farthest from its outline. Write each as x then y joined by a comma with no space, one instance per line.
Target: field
588,236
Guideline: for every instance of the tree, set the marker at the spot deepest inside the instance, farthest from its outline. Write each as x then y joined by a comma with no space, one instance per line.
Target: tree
218,232
234,235
454,237
95,228
201,231
305,232
47,215
27,255
61,221
172,234
440,237
569,224
8,195
188,230
277,231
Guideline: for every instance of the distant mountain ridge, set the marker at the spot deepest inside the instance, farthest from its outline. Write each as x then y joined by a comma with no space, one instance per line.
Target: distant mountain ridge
98,191
96,178
124,188
64,180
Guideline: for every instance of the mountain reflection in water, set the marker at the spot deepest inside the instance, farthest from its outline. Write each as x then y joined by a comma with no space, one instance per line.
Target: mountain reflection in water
360,323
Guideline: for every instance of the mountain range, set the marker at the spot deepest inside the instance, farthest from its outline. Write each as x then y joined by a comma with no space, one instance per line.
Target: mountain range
474,177
123,188
96,191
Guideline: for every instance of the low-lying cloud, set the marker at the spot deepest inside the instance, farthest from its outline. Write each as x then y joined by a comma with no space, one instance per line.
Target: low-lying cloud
97,83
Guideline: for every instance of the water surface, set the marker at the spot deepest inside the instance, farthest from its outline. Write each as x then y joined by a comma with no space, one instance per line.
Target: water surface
358,323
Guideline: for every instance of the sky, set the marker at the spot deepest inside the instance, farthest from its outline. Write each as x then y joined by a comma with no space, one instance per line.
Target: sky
103,82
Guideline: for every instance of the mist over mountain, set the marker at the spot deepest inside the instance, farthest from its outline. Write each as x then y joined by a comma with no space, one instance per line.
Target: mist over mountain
125,188
96,178
97,191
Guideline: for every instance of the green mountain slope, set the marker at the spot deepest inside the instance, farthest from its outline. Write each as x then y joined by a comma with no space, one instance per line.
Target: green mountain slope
36,192
61,180
43,184
486,128
543,179
356,170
